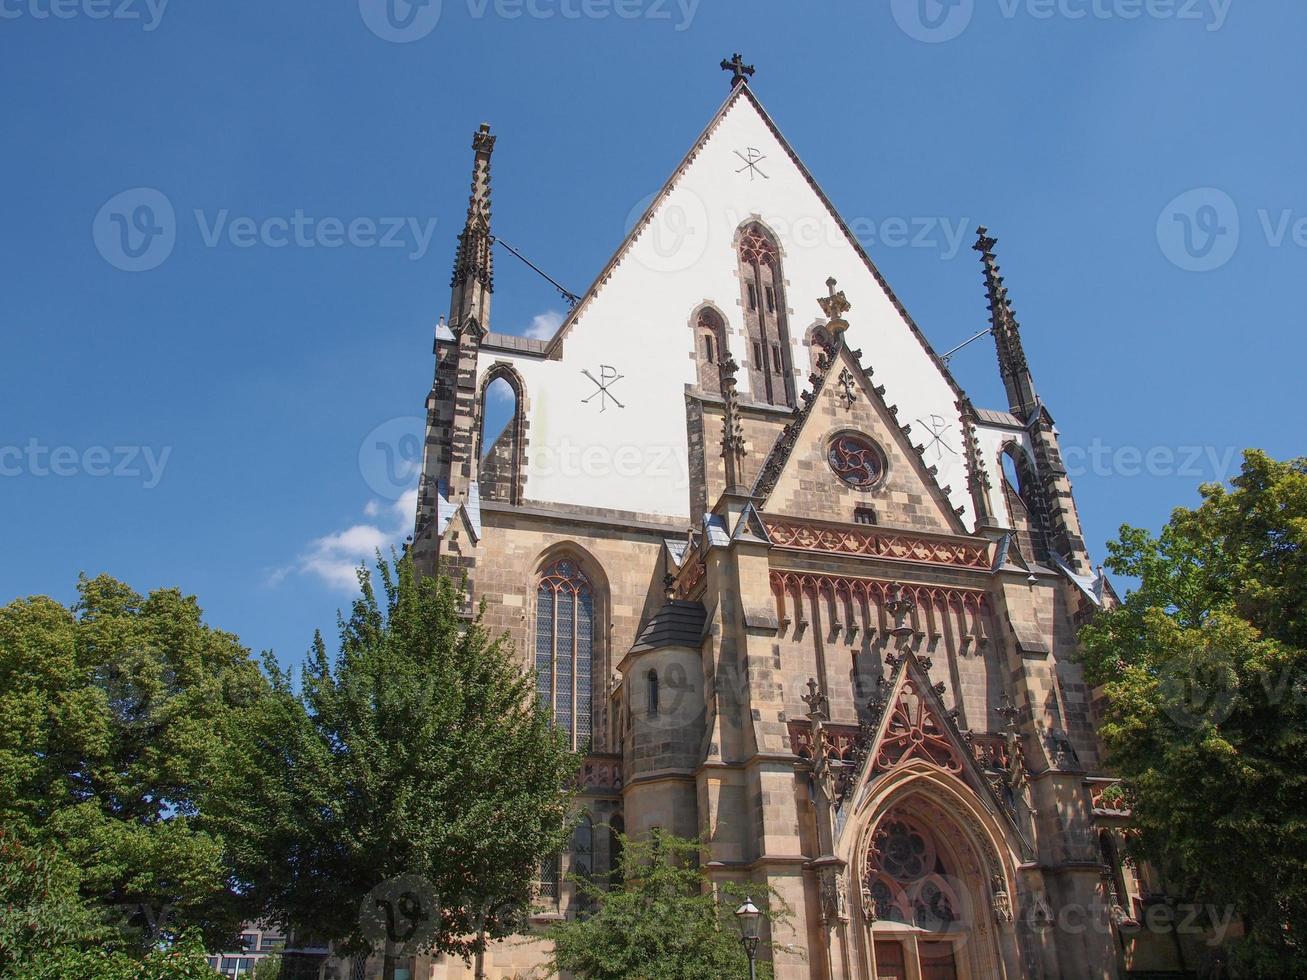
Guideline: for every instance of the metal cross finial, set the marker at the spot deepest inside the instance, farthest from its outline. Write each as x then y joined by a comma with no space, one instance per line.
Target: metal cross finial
739,70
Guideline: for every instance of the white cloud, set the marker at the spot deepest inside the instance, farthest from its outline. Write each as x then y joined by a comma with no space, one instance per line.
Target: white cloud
334,558
500,391
545,325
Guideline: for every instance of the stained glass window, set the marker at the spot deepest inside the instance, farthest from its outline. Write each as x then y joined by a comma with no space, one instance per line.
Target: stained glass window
565,647
856,460
907,880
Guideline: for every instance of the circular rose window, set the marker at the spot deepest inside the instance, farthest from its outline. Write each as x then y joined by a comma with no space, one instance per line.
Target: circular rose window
856,460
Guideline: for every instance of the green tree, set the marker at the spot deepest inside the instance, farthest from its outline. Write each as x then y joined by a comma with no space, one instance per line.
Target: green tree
182,960
405,797
40,907
113,717
268,968
1204,676
661,922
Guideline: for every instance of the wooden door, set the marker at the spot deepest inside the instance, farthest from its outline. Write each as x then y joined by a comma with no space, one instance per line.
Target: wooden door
890,961
937,962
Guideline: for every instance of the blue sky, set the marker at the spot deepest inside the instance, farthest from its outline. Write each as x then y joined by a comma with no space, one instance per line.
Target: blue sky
211,422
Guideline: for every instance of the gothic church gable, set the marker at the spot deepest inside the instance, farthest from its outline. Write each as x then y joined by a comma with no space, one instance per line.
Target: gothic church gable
854,460
740,211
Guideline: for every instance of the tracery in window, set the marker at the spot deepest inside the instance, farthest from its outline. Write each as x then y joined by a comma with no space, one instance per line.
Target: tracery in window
763,299
907,880
565,610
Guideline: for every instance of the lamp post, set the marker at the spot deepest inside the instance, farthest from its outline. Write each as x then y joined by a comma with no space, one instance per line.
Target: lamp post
749,917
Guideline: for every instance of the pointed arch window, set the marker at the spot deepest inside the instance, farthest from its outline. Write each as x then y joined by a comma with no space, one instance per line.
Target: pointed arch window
565,612
652,692
763,299
710,347
907,880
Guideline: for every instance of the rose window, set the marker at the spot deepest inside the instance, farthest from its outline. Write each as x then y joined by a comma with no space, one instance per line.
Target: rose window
856,460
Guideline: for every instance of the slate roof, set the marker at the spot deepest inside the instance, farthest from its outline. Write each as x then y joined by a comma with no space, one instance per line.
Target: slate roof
991,417
677,624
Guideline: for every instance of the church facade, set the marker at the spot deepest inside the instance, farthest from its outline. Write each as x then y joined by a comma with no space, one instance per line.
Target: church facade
788,589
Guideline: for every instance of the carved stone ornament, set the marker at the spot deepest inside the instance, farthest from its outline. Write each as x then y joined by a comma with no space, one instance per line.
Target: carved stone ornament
848,388
1002,904
868,905
834,900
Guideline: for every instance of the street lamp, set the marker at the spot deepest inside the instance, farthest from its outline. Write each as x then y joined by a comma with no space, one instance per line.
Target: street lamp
749,917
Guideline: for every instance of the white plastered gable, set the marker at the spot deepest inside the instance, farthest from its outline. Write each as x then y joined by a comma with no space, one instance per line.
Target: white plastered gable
634,323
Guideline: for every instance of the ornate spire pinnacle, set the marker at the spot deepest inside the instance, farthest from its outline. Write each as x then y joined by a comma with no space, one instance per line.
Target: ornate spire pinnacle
740,72
835,305
474,274
732,428
1012,364
977,476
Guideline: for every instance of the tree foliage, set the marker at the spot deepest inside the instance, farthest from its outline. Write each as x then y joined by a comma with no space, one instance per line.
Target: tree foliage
406,795
1204,675
113,716
182,960
662,922
40,908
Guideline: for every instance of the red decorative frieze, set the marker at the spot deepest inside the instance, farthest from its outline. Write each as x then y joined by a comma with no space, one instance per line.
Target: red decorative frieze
877,544
602,774
991,751
794,583
690,579
1108,800
841,741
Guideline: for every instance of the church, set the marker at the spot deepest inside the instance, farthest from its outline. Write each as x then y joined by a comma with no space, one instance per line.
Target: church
785,586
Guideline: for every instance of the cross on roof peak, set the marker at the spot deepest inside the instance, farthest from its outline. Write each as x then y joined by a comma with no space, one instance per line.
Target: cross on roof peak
738,69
